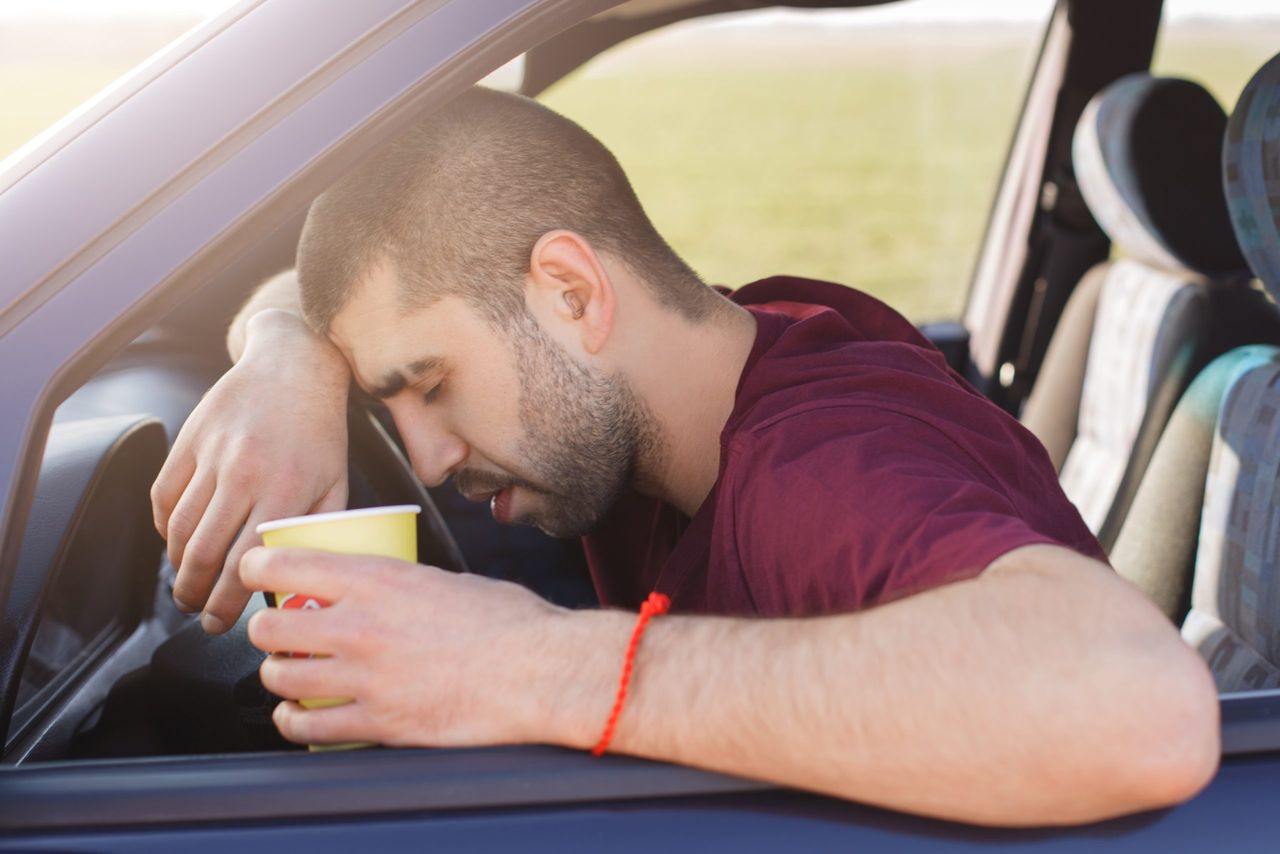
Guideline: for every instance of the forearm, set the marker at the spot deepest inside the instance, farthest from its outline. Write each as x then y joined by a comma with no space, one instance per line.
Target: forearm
272,321
280,293
1008,699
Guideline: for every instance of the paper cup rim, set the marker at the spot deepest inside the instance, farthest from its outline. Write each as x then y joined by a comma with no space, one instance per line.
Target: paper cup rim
317,518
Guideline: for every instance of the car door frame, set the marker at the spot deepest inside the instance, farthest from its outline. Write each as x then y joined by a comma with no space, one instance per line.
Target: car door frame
88,274
1040,237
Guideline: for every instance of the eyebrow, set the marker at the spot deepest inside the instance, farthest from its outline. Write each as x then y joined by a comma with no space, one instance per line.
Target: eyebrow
394,381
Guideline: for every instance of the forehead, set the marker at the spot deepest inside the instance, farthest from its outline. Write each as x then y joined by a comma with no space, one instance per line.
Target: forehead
379,336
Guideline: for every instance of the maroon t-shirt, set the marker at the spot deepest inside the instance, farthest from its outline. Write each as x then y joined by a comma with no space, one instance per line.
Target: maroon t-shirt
856,467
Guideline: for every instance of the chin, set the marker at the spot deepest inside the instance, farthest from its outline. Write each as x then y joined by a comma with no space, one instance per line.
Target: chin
559,532
566,520
562,528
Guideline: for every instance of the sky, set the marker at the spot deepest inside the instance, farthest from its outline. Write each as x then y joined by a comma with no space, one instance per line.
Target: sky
918,10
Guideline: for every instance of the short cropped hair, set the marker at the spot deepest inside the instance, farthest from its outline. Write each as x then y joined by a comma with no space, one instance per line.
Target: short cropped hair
455,205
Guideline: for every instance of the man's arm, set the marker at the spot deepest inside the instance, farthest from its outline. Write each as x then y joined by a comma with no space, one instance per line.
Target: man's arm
268,440
279,294
1045,691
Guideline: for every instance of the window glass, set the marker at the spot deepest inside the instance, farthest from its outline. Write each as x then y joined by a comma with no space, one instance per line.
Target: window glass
861,146
56,54
1217,43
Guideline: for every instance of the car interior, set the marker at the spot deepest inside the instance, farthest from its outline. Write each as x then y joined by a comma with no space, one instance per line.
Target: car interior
1138,328
1138,338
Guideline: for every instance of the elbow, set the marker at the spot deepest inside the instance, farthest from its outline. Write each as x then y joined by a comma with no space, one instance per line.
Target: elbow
1176,741
1195,730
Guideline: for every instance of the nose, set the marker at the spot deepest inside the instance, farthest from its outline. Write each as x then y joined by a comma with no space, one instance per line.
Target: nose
434,451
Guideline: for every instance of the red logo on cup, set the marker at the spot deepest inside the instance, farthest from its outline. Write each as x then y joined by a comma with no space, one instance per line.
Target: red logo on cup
298,602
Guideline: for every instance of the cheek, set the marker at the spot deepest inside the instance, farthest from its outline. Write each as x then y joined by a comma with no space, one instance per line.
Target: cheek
487,410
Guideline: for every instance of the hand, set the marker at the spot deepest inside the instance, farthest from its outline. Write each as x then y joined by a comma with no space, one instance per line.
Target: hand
269,440
429,657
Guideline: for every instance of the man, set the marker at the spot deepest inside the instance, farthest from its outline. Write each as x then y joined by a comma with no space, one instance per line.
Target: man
878,590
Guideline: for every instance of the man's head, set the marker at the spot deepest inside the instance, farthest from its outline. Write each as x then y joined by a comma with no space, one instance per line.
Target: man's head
420,266
456,204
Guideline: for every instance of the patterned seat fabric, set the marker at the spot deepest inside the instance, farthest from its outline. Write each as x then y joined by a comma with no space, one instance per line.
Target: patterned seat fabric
1235,603
1147,153
1146,321
1235,599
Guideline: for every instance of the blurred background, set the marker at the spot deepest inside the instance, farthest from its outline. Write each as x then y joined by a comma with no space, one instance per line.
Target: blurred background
861,146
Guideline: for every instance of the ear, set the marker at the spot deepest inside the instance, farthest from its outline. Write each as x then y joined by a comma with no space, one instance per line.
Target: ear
570,291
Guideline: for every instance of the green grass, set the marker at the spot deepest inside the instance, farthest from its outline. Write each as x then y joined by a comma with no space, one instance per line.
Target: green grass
1222,58
868,157
878,175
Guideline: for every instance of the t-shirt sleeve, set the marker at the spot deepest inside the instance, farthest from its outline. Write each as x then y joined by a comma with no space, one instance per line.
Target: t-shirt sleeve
849,506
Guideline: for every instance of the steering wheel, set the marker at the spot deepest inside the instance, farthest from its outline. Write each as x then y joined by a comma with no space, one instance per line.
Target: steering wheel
201,693
380,475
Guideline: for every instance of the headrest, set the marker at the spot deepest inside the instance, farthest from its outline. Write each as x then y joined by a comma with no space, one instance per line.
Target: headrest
1147,152
1251,169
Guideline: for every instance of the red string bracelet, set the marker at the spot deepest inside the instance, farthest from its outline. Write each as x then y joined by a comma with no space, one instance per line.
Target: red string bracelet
657,603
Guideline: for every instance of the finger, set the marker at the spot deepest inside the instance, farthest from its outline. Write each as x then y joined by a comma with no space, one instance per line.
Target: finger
169,486
331,725
334,499
187,514
206,550
230,594
326,575
309,631
294,678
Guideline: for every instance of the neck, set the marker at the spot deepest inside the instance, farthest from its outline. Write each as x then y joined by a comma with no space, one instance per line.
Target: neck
688,384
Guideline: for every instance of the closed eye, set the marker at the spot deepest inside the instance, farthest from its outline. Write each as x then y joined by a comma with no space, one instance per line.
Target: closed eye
432,393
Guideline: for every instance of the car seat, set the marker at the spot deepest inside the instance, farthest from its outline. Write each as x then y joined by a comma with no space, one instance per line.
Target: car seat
1211,497
1136,329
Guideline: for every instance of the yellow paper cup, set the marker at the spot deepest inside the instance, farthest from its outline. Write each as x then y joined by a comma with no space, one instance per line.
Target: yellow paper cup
381,531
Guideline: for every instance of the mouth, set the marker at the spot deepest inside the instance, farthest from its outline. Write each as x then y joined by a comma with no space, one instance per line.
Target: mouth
480,486
500,506
499,502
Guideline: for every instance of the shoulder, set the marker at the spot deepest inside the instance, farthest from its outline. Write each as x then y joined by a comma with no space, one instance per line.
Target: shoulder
864,317
849,445
809,357
857,503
